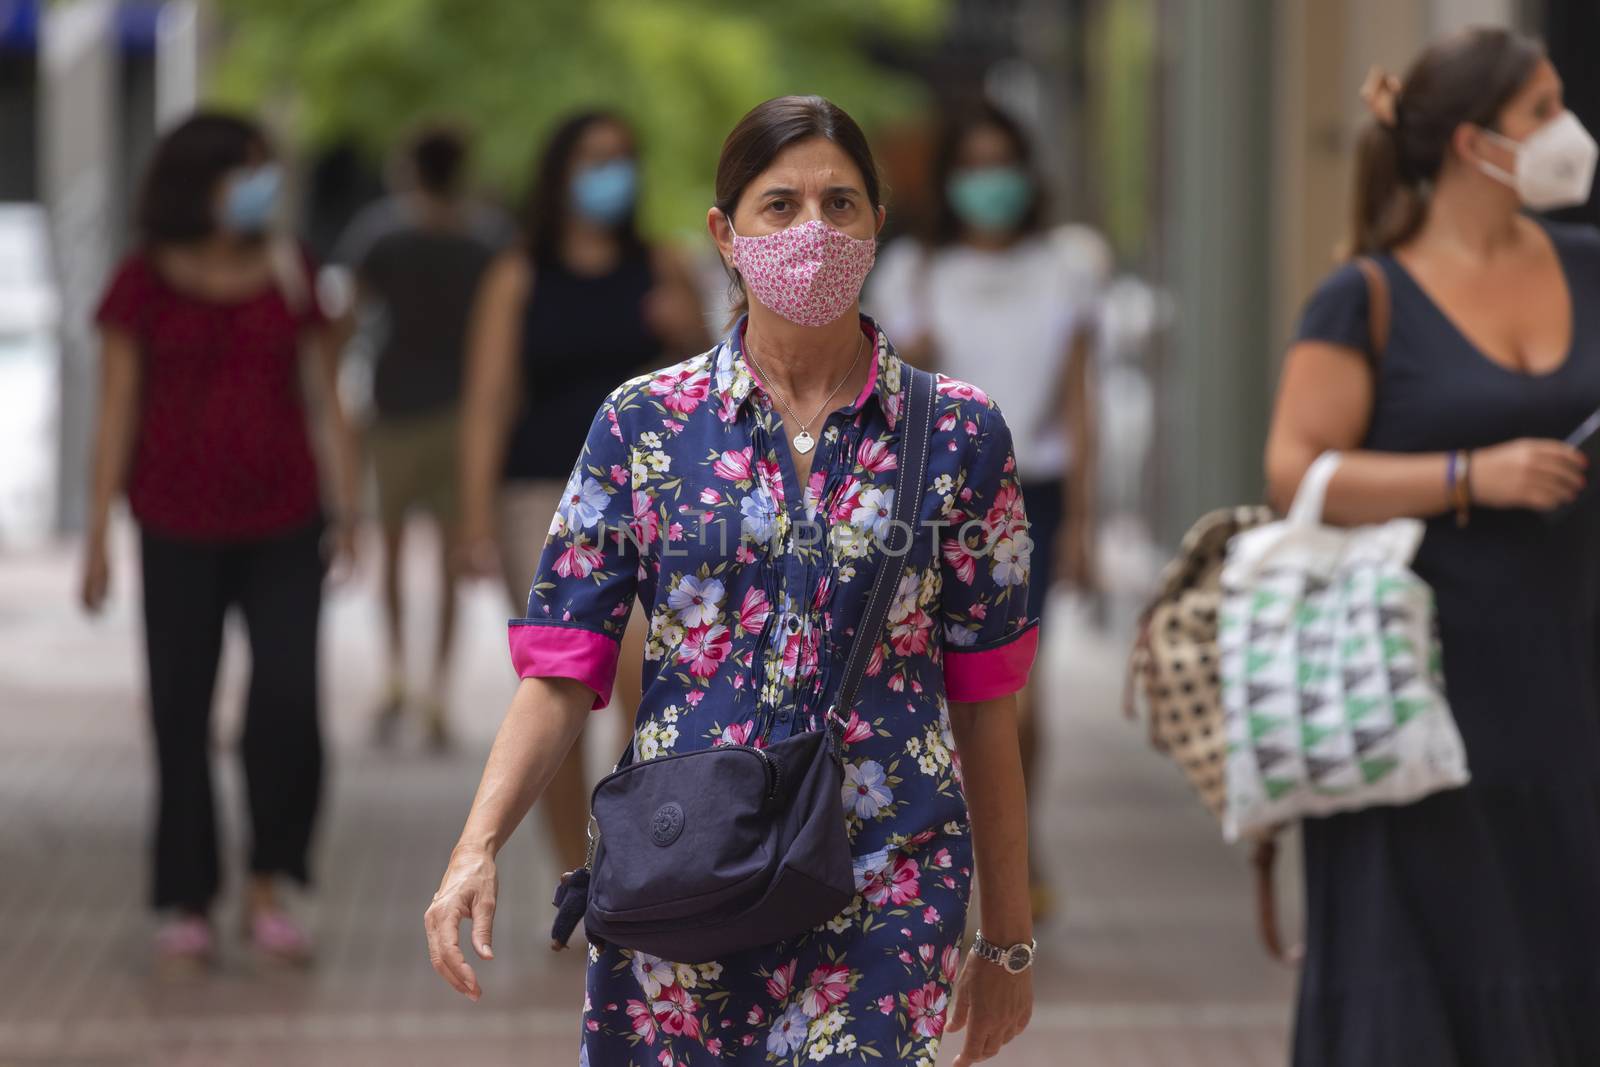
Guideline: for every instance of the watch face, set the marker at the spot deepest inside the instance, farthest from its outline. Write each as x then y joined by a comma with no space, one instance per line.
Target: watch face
1018,958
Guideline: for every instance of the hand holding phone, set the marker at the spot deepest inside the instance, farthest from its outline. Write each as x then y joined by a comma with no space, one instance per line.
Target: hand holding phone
1559,475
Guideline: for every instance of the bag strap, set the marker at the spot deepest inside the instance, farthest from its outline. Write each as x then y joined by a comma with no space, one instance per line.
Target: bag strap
910,476
1264,858
1309,499
909,480
1377,307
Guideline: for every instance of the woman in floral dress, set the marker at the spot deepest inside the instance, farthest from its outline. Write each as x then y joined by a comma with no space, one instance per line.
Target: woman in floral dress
752,533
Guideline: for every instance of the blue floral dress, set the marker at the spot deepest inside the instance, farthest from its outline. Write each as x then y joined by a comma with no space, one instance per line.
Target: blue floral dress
686,497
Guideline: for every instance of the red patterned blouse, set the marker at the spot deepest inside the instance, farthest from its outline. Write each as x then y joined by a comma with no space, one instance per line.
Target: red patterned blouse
222,450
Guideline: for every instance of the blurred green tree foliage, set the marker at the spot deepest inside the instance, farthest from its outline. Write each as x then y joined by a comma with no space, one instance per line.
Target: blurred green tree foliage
682,70
1125,57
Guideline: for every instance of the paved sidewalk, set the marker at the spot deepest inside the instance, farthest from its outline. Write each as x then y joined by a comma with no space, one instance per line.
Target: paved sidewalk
1153,962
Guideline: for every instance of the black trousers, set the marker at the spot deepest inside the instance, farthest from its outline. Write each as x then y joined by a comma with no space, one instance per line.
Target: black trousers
188,589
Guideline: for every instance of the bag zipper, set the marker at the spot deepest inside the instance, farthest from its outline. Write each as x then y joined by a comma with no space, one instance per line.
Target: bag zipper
774,774
768,763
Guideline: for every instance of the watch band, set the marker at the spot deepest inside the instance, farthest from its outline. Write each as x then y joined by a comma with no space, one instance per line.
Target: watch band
1015,958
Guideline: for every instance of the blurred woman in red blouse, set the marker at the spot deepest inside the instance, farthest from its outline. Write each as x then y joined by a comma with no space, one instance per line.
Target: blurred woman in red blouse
203,423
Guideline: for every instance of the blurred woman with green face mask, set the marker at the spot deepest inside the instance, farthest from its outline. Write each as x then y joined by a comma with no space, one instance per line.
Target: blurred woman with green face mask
992,294
990,199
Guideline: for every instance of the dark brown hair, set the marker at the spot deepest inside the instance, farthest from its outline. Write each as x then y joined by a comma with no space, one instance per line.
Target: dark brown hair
438,156
177,197
765,132
549,199
1468,77
946,226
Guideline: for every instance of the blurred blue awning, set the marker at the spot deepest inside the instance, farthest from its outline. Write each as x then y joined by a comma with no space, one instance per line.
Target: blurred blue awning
19,25
136,25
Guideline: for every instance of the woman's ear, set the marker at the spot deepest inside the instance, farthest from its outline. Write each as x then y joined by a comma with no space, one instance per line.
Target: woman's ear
1464,142
722,233
883,217
1473,146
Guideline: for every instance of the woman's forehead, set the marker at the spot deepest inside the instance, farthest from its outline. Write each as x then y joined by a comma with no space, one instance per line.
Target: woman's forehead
986,143
815,163
1542,83
605,136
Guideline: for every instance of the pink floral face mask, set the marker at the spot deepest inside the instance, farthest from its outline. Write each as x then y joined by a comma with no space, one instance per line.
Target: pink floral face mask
810,273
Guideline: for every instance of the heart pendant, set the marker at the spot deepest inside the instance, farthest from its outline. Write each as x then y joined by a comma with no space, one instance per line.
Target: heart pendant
803,442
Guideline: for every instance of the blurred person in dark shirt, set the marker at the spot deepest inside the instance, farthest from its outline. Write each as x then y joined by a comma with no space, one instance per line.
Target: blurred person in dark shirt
417,257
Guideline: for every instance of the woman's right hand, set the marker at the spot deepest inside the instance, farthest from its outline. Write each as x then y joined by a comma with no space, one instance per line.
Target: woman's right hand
96,572
467,891
1537,474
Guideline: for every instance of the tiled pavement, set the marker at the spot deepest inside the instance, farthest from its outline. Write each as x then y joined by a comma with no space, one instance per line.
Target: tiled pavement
1153,962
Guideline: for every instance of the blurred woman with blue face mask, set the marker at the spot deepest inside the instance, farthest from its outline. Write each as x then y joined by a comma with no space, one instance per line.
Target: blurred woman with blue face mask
250,199
604,193
990,294
581,303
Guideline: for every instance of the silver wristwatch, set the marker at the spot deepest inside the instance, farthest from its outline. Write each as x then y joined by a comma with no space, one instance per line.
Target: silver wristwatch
1015,959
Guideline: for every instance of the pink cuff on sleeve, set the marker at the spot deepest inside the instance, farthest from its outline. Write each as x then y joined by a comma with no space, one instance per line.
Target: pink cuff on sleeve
984,674
565,652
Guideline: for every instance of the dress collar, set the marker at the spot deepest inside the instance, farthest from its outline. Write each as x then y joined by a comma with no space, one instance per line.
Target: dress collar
735,381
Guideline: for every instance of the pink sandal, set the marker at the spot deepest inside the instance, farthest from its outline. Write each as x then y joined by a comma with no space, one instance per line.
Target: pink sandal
186,941
277,935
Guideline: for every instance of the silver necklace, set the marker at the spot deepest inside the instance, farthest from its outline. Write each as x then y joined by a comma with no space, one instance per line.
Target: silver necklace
803,441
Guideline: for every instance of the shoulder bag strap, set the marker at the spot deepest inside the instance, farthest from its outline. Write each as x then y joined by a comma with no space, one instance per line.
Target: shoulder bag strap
909,480
916,417
1264,858
1377,306
916,421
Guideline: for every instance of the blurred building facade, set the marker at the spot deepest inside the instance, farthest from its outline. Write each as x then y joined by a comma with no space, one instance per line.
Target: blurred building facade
84,87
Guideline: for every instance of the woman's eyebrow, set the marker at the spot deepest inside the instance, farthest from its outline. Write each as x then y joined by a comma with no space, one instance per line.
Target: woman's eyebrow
832,190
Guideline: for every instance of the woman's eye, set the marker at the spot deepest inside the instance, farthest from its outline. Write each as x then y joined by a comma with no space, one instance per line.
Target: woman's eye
778,205
842,203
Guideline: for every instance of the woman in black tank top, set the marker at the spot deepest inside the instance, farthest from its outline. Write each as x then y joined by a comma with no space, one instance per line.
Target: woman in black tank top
581,335
583,304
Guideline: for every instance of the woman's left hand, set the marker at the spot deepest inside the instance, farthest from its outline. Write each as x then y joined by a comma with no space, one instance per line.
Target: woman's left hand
1077,558
992,1005
339,548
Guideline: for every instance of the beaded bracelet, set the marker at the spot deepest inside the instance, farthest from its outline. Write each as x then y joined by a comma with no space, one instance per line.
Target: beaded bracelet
1459,475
